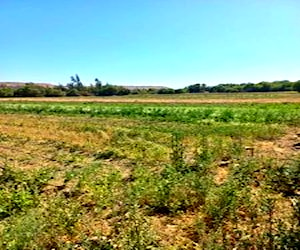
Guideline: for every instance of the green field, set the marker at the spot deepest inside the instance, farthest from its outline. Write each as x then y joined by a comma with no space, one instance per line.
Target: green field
89,175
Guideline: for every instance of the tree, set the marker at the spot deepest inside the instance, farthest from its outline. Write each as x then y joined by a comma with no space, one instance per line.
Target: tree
76,83
98,84
107,90
264,86
197,88
297,86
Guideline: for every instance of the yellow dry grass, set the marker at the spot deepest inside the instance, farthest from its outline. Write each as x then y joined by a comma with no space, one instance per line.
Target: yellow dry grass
176,99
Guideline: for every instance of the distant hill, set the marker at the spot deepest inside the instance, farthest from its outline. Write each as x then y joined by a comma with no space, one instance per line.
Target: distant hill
21,84
144,87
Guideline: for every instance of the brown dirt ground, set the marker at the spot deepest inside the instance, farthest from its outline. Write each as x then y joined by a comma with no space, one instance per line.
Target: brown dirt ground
282,148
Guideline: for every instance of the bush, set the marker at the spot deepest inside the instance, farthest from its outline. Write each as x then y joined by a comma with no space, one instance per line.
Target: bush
30,91
6,92
54,92
166,91
72,92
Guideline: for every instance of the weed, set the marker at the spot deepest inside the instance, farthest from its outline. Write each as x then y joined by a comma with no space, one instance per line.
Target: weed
136,232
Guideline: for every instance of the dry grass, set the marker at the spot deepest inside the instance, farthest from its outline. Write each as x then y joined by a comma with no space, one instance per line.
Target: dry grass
275,97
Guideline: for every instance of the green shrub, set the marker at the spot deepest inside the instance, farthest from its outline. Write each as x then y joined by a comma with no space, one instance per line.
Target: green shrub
6,92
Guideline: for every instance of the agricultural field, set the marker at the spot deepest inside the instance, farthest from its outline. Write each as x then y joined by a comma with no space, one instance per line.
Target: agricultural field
110,173
189,98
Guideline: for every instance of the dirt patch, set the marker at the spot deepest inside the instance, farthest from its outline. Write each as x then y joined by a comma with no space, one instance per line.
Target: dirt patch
178,227
221,175
283,148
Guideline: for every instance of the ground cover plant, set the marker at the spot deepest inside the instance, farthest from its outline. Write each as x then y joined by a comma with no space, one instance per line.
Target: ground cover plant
149,176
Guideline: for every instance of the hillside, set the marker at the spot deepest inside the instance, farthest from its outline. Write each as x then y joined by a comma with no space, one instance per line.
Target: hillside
144,87
21,84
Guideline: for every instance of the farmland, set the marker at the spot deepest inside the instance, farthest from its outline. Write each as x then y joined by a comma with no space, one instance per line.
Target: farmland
203,172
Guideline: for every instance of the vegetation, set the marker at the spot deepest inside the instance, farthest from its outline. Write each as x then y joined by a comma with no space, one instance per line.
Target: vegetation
77,88
205,114
152,176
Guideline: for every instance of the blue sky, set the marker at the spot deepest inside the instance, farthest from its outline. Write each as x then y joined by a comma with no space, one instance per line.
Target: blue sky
172,43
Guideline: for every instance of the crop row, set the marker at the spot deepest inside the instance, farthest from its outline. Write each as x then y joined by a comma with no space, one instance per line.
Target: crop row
253,113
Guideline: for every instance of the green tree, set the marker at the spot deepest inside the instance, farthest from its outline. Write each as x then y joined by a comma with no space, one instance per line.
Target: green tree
6,92
197,88
296,86
98,84
76,83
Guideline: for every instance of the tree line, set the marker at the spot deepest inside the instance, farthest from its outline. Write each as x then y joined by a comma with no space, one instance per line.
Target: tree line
77,88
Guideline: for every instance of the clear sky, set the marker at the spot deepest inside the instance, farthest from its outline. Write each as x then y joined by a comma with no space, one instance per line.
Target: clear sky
172,43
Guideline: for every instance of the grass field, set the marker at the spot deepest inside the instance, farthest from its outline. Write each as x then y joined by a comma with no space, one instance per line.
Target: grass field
174,172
